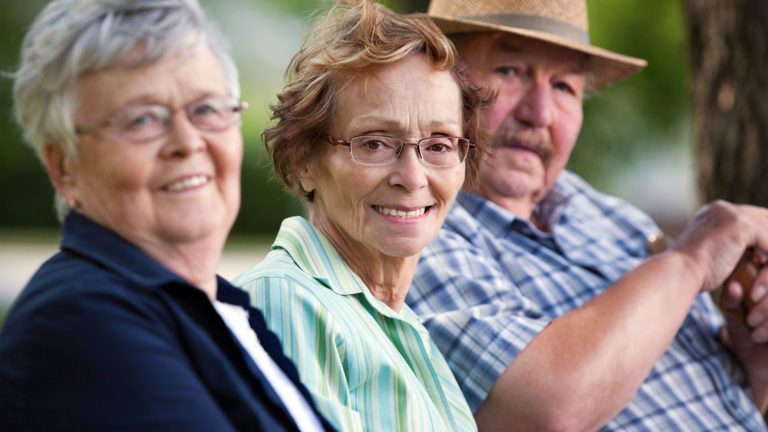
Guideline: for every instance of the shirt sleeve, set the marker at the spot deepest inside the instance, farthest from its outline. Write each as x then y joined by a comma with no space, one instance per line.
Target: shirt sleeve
100,361
311,338
478,318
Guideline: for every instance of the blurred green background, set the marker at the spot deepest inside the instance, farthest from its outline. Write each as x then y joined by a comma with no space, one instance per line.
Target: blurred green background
635,142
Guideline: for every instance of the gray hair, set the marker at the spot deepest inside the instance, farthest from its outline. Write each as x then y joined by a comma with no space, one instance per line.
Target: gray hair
71,38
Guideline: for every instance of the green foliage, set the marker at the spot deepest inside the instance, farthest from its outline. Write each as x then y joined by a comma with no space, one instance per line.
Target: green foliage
264,201
23,184
647,111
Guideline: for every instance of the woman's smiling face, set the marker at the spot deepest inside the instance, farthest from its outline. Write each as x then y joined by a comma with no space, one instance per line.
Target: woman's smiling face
394,210
180,187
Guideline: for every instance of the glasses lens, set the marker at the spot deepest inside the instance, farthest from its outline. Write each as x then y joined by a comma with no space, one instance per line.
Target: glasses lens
142,122
443,151
213,113
374,150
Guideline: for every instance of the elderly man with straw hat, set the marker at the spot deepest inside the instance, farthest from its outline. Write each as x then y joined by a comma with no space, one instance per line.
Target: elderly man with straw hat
545,295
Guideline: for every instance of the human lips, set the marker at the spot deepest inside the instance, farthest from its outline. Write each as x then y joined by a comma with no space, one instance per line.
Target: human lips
188,182
517,146
404,214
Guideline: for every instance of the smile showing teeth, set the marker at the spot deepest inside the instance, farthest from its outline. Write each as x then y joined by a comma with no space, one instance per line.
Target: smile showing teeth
401,213
187,182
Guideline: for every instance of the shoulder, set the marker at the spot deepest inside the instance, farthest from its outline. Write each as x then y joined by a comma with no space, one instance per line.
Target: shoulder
84,315
461,222
463,238
292,301
277,285
595,205
77,326
459,230
277,266
72,289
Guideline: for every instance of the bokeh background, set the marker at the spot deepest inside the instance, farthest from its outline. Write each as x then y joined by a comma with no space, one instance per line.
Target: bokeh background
636,140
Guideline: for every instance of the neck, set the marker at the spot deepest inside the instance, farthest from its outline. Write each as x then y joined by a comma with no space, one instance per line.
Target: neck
195,261
522,206
386,277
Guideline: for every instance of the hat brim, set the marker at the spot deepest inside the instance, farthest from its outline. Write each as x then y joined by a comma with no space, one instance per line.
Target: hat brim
605,67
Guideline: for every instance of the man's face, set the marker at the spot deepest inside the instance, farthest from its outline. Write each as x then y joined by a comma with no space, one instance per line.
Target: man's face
536,119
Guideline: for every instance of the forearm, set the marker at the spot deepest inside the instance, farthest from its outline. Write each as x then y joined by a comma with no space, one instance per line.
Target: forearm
586,366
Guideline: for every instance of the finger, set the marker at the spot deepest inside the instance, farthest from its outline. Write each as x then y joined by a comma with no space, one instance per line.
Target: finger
758,216
759,291
760,334
732,296
762,257
757,314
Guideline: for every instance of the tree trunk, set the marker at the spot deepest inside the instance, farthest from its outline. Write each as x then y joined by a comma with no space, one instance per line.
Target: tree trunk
729,63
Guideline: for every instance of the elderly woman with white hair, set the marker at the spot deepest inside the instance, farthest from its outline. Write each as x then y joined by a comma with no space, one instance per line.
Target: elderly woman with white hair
133,106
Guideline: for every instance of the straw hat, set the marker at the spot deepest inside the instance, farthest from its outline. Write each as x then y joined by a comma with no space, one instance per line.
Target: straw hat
561,22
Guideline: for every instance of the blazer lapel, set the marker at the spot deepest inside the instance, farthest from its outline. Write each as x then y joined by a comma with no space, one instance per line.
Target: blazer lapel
227,370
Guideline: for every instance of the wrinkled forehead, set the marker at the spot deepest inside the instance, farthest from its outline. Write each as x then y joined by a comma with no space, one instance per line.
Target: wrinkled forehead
495,46
398,87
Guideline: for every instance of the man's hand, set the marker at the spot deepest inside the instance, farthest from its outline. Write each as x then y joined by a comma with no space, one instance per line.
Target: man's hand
718,236
744,301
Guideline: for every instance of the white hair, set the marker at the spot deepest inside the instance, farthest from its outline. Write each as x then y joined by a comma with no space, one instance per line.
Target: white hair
71,38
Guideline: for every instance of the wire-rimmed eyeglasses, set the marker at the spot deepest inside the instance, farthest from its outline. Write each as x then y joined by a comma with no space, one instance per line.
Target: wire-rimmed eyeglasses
139,123
381,150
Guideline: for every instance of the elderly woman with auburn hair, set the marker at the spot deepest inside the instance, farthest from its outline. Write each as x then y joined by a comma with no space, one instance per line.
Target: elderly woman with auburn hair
375,130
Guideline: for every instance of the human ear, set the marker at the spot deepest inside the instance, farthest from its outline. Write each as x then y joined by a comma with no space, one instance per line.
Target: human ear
62,171
307,177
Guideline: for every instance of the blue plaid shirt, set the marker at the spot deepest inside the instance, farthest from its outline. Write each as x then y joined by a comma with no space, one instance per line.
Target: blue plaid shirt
490,282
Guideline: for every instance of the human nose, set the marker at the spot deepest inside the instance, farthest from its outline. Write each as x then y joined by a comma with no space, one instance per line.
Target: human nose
408,170
183,136
536,105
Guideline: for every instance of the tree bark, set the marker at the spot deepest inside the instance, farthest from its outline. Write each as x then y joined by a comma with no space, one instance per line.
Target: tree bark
728,47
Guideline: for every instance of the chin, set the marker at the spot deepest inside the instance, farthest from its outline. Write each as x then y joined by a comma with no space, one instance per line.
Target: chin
523,184
404,248
193,229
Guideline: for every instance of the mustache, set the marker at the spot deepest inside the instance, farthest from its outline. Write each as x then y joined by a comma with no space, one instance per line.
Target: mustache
533,140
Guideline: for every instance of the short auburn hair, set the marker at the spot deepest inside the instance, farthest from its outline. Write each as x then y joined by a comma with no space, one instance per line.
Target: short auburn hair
347,43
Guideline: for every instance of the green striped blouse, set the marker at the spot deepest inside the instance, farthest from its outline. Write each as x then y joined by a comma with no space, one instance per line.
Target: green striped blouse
367,367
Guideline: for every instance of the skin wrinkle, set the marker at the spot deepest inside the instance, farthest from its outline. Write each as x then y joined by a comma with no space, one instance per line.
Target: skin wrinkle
628,326
121,184
539,90
384,250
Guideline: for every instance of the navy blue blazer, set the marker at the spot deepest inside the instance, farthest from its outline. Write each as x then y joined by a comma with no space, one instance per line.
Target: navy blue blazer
105,338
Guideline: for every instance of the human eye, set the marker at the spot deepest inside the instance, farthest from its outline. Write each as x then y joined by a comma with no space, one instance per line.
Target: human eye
571,84
507,71
376,144
373,144
564,86
440,151
208,107
142,117
439,145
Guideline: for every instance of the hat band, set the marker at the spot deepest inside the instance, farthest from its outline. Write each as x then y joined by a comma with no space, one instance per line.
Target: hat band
535,23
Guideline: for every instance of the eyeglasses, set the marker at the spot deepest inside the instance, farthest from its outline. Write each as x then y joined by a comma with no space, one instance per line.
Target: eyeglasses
139,123
381,150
